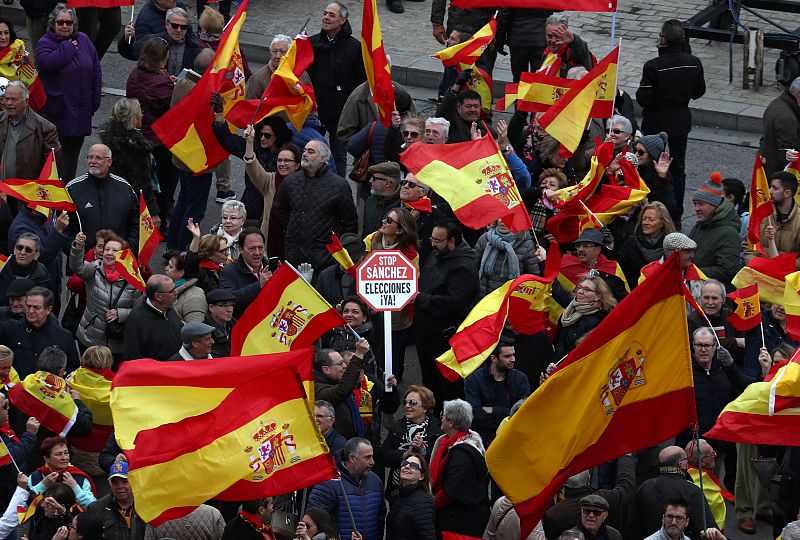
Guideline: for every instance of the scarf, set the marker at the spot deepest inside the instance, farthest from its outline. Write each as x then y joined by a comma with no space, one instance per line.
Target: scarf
111,274
575,310
8,433
208,265
180,282
405,443
651,248
439,459
71,469
423,205
264,529
498,243
384,245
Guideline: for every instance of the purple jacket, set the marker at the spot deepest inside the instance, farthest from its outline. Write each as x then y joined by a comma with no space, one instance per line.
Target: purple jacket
72,79
154,92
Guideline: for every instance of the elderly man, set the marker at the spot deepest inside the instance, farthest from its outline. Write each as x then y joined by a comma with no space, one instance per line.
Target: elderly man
414,196
685,246
712,302
24,264
716,232
29,337
311,203
116,510
337,69
384,194
15,293
781,234
703,457
334,382
781,128
671,484
104,200
197,341
325,415
588,256
362,487
26,138
437,130
220,315
153,328
183,48
668,83
260,79
245,276
594,512
568,49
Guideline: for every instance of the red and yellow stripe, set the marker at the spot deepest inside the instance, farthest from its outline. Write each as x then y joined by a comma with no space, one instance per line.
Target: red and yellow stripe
46,397
94,386
379,72
128,267
469,51
149,236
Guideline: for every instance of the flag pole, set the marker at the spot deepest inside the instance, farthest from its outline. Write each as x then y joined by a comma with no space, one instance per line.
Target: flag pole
10,456
711,326
616,76
700,470
347,503
761,325
133,10
353,331
613,27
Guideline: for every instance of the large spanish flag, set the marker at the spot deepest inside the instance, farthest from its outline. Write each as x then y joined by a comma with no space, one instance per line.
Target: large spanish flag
186,128
747,314
566,119
473,178
284,92
765,413
149,237
791,304
535,92
769,273
16,64
47,192
573,270
227,428
558,5
288,314
606,398
127,266
479,333
94,386
470,50
379,72
761,206
46,397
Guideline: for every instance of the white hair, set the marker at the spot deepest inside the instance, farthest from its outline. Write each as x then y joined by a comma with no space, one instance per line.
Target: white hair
558,18
438,121
176,11
280,38
794,88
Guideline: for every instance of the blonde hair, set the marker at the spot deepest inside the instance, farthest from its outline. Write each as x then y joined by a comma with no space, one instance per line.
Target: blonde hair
5,352
211,21
663,215
126,111
97,357
606,300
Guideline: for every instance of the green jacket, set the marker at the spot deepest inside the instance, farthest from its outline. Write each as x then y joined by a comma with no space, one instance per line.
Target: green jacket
717,253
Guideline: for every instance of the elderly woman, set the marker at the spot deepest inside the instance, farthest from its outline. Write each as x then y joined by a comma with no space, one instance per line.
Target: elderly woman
417,430
620,130
70,71
459,474
58,469
646,244
505,255
190,300
539,204
131,150
109,298
231,225
267,183
593,301
411,514
212,253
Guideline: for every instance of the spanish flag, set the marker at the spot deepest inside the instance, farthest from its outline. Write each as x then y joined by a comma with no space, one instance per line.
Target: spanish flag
715,494
26,513
229,428
606,398
761,206
748,309
537,92
99,3
379,72
468,52
690,273
127,266
791,304
566,119
94,386
769,273
288,314
186,128
573,270
48,191
17,64
285,92
46,397
603,154
3,261
557,5
479,334
340,255
473,178
149,237
760,415
5,456
481,82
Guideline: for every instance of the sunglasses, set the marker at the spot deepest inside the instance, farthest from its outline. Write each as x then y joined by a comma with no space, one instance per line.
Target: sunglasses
593,511
411,134
63,23
177,26
412,464
616,131
640,152
412,402
266,135
409,183
389,220
26,249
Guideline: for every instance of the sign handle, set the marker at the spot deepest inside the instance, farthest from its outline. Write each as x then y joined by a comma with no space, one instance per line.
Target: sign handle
387,349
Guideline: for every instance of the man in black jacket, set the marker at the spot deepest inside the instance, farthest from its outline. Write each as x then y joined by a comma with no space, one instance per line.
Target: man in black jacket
337,69
104,200
153,328
176,32
116,510
245,276
668,83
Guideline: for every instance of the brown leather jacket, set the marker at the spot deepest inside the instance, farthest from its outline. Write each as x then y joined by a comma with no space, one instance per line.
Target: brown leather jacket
37,138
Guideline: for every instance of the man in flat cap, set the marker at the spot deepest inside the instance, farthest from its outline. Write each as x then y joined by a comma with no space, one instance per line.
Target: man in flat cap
384,179
220,316
197,342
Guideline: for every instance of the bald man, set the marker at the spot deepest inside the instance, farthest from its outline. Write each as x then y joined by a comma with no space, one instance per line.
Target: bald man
104,200
153,328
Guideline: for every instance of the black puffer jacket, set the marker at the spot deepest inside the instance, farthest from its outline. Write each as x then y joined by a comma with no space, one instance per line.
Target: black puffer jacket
412,516
132,159
309,208
522,27
568,336
337,69
107,203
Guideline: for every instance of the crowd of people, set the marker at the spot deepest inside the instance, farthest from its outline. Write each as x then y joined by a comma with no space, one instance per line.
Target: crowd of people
411,460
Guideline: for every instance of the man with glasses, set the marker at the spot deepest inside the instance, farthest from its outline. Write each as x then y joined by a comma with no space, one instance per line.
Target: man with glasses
384,181
334,381
104,200
325,415
153,328
675,520
220,316
672,483
260,79
24,264
176,33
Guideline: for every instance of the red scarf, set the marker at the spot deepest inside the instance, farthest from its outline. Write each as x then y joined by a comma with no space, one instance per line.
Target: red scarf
423,205
265,530
208,265
7,432
112,276
437,464
71,469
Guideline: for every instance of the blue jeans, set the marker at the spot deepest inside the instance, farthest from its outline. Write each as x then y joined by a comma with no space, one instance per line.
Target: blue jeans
191,203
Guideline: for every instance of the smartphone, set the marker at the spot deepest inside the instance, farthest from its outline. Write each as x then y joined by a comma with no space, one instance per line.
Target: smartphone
272,263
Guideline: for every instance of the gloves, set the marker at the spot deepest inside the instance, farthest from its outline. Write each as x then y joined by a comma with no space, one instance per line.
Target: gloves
464,77
306,271
438,33
724,357
608,238
217,103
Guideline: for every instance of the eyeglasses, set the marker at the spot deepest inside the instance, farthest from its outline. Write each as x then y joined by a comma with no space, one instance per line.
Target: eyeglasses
409,183
266,135
341,364
705,345
592,511
584,289
411,134
412,402
389,220
224,251
437,241
640,152
172,290
96,157
176,26
672,517
231,218
64,23
280,161
323,416
26,249
224,306
412,464
616,131
711,455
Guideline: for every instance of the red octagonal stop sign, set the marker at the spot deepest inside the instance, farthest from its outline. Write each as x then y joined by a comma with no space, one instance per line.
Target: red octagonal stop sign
387,280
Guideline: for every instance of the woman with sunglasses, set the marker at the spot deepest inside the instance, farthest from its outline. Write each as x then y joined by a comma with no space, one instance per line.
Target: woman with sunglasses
401,135
654,162
416,431
411,513
212,253
70,71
